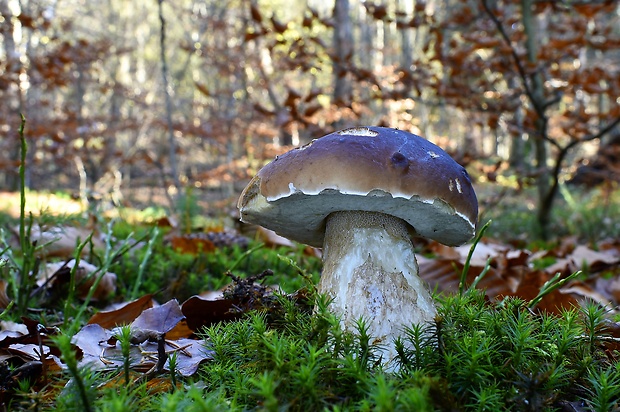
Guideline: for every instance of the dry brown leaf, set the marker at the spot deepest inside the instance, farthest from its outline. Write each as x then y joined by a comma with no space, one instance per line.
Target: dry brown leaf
158,320
181,330
4,298
200,312
101,349
30,351
57,274
61,241
8,327
166,221
191,244
583,255
271,238
190,354
585,291
123,315
509,274
609,288
93,340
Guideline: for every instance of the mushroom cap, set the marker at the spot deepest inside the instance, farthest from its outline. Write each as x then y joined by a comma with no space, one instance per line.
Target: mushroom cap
374,169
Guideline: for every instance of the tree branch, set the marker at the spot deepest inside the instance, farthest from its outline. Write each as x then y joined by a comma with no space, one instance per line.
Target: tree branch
602,132
513,52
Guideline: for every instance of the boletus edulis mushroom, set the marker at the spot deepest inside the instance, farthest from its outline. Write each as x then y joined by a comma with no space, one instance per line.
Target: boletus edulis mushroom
361,194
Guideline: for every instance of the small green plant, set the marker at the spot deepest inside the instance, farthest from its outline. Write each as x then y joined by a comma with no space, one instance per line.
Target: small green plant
124,337
28,268
81,379
604,389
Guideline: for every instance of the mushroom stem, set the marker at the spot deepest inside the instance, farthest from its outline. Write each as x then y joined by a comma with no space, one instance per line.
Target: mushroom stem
370,272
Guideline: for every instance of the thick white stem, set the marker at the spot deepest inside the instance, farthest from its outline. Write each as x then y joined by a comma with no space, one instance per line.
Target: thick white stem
371,272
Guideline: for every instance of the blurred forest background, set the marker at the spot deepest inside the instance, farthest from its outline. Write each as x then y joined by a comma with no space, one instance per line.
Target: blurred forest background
144,101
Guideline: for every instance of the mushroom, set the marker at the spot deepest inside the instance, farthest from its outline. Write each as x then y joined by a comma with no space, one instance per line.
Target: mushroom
361,194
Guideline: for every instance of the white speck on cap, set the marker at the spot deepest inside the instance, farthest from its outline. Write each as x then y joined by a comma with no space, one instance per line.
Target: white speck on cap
357,131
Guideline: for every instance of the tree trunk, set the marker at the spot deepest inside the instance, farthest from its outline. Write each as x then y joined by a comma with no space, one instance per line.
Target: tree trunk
7,30
517,154
172,146
407,35
545,197
343,48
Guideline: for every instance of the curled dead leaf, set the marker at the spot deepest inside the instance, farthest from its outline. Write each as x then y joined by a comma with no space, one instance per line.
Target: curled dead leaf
58,275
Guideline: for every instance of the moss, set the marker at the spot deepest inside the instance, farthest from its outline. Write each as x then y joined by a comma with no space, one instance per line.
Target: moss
477,356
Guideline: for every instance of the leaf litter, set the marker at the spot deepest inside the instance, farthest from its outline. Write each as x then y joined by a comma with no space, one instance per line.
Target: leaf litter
158,331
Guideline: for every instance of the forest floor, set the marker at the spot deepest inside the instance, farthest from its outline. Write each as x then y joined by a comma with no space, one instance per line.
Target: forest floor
208,305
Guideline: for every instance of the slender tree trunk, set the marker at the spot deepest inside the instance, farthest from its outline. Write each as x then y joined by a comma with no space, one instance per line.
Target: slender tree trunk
545,197
7,30
406,34
172,146
343,46
517,147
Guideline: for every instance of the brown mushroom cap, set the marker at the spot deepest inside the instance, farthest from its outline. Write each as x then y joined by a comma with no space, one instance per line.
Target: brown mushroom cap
372,169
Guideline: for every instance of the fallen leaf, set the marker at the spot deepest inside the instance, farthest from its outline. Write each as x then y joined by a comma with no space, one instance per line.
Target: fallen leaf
61,241
31,352
4,298
93,341
158,320
181,330
58,275
12,329
191,244
509,274
123,315
585,291
190,354
201,312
